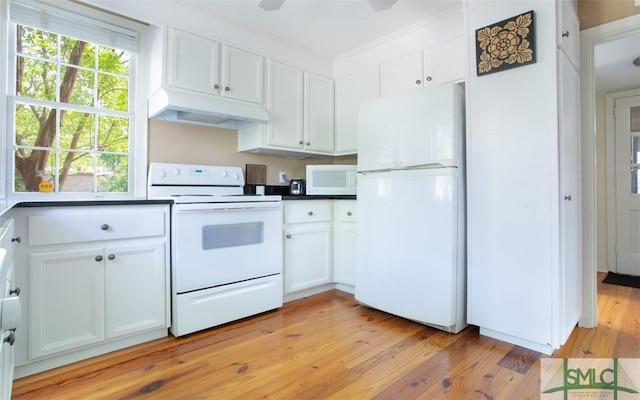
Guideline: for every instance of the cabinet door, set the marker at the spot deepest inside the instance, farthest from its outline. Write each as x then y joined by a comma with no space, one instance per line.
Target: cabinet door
345,253
307,250
344,264
568,31
445,62
135,289
243,75
318,113
192,62
66,294
570,284
402,74
284,103
351,93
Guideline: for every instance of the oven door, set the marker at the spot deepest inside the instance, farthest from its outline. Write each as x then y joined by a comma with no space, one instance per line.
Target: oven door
216,244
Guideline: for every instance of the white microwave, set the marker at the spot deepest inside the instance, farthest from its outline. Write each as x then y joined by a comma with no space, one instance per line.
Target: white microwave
331,180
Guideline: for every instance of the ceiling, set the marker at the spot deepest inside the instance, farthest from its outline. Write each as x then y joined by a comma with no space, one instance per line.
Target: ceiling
325,27
614,63
334,28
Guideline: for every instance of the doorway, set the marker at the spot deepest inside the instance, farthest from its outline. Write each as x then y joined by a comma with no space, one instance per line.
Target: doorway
623,173
589,40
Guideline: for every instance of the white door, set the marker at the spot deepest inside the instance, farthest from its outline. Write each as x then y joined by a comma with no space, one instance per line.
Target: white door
627,137
570,199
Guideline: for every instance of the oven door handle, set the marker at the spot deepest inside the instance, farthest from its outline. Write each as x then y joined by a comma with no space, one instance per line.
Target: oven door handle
208,207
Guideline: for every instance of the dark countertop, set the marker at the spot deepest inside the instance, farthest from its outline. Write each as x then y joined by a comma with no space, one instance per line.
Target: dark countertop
6,205
321,197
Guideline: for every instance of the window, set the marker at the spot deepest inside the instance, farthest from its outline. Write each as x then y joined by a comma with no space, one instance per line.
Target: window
72,103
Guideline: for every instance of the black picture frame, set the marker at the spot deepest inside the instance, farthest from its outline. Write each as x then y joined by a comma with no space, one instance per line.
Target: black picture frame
506,44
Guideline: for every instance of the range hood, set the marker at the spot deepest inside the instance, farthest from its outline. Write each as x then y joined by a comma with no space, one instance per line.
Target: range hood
198,108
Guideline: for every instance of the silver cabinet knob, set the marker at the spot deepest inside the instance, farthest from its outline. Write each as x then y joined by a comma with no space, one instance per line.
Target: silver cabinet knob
105,227
17,239
418,82
227,88
99,258
567,197
310,213
308,143
428,78
111,256
15,291
216,86
349,213
289,236
565,34
301,142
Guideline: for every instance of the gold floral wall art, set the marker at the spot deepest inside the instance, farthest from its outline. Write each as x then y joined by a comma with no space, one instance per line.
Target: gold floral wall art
506,44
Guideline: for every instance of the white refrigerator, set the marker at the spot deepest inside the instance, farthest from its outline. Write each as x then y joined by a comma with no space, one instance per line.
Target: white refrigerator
410,236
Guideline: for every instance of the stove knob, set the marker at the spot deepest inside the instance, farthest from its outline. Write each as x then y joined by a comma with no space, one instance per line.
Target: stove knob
176,172
236,176
162,174
224,173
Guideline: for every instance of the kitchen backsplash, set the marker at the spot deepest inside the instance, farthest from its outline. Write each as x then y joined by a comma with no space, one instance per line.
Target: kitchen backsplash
193,144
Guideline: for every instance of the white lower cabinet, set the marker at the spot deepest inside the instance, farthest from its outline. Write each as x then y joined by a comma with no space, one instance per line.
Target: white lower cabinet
308,258
99,286
67,300
345,242
319,246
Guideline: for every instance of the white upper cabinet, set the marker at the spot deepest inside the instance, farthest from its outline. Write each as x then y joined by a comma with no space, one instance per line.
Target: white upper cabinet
401,74
318,113
351,92
568,31
445,62
203,65
193,62
285,90
242,75
301,114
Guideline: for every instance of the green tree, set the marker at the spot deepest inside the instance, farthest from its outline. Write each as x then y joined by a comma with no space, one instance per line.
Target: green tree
85,136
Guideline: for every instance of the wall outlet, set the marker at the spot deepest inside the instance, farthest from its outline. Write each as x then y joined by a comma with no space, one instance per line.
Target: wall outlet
282,177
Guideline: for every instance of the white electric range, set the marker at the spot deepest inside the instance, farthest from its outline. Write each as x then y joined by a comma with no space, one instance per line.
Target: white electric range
226,247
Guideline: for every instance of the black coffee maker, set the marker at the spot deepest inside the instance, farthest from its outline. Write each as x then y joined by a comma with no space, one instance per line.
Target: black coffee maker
296,187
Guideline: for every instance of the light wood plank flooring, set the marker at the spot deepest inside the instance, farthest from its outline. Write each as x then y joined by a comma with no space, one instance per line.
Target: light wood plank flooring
330,347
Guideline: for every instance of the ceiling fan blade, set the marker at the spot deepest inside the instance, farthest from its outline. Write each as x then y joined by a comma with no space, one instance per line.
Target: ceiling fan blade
381,5
270,5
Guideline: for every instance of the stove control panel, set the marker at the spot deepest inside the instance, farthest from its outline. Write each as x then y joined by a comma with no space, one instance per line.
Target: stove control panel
195,175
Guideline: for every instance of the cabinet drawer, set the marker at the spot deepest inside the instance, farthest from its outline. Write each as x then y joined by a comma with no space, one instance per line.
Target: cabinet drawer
58,226
307,211
346,212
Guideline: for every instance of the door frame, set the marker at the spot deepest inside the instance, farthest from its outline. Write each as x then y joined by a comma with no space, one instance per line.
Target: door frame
589,39
611,170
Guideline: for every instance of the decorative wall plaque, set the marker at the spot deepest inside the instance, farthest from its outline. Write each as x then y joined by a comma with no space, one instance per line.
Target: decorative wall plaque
506,44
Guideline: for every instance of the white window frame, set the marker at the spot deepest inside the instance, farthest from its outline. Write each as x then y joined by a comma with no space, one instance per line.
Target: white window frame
138,109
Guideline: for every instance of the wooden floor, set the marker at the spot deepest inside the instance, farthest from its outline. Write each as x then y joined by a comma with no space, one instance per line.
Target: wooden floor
330,347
